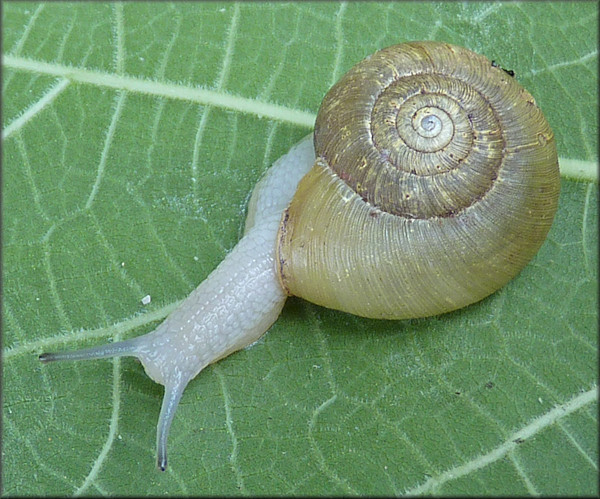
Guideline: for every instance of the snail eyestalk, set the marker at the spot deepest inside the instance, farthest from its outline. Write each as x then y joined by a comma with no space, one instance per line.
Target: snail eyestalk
173,393
127,348
131,348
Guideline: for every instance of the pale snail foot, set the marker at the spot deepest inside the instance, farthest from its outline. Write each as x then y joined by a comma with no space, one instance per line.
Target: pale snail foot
231,309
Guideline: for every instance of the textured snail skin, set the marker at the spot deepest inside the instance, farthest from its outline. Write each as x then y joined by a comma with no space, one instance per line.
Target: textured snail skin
232,308
436,181
416,239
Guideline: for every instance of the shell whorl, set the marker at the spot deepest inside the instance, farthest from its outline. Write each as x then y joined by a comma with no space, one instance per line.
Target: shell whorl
437,171
433,123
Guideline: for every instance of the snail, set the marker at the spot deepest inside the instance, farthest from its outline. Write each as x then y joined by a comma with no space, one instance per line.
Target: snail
431,181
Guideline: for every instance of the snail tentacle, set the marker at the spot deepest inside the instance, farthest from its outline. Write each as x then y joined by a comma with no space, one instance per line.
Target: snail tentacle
232,308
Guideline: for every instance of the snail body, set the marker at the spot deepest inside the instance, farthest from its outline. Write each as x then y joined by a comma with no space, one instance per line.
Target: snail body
433,180
231,309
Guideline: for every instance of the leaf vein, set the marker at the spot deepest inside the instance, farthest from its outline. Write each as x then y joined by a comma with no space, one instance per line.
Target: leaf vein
119,32
28,28
521,472
107,143
339,38
112,429
165,89
536,426
233,458
33,110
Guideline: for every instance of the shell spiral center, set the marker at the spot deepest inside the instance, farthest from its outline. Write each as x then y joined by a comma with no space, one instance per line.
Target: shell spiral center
432,136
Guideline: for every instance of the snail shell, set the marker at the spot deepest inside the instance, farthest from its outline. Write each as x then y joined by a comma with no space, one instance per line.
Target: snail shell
433,180
436,181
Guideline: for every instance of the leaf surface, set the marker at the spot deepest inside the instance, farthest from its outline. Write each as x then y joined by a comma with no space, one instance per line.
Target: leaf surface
133,134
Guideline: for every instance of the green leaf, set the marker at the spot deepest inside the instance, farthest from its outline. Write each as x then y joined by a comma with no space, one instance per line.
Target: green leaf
133,134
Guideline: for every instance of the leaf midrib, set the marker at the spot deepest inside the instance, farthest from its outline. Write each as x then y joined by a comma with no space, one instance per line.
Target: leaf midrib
569,167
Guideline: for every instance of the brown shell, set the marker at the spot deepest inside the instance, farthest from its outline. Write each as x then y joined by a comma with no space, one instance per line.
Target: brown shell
436,181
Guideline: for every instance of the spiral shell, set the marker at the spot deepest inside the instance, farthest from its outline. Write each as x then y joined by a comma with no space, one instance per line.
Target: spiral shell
436,182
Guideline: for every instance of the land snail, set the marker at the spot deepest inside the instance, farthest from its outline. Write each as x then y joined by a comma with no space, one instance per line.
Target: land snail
431,182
